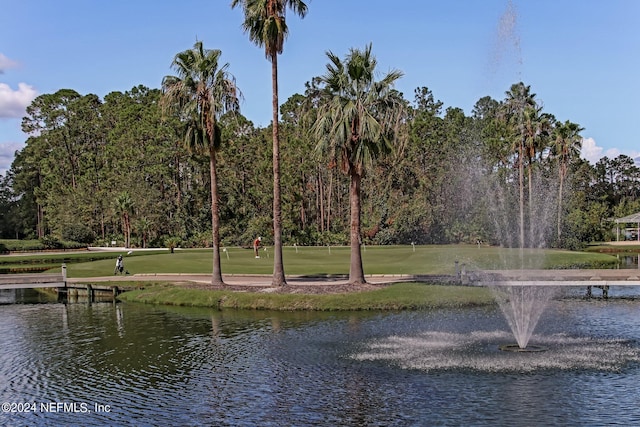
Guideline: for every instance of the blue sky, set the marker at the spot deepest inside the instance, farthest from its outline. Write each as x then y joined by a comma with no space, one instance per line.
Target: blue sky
580,57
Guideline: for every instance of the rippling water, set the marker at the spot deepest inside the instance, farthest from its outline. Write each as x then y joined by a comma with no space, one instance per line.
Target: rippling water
181,367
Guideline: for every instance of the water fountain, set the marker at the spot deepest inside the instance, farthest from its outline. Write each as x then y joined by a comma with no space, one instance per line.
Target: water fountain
528,226
522,306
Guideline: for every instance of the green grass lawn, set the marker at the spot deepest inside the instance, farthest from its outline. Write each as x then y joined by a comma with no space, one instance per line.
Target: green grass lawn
324,261
432,259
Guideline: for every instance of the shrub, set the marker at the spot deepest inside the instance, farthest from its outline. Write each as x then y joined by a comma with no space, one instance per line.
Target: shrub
78,233
73,245
51,242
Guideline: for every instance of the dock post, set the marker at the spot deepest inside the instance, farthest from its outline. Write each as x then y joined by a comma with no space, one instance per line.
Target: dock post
90,292
63,292
64,274
464,279
115,292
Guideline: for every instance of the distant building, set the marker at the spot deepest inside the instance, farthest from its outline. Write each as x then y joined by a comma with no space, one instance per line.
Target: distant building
629,233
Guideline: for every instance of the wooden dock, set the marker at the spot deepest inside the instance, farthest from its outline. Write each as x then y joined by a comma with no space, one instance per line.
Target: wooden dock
59,282
599,277
24,281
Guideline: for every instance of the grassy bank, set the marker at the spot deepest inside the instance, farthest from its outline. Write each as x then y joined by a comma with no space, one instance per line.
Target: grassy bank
612,248
318,261
401,296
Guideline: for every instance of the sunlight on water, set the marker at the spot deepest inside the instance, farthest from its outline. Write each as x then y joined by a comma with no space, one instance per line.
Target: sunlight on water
479,351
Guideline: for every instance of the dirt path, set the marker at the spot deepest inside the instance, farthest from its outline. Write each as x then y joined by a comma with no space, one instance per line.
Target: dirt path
258,283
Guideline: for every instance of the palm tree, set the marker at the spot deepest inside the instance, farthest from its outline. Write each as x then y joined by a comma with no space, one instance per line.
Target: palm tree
201,92
536,128
567,145
264,21
519,98
124,208
357,118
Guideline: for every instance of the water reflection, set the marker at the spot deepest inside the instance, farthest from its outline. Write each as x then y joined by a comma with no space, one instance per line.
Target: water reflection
184,366
628,261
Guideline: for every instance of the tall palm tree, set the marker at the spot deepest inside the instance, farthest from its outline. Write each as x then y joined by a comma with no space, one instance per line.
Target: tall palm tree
357,118
567,143
124,208
536,128
200,93
519,98
264,22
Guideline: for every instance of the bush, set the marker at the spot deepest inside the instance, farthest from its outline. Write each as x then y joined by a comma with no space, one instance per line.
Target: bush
51,242
73,245
48,242
203,239
22,245
328,238
78,233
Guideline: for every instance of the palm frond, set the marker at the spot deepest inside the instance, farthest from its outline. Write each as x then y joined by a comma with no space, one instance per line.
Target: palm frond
357,115
265,22
200,93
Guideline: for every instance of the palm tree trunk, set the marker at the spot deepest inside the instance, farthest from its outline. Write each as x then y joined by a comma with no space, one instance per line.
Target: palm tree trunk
532,219
329,196
320,200
562,173
127,230
356,272
278,267
521,188
216,277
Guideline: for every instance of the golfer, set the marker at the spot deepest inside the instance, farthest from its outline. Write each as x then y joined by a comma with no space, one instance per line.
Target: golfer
256,246
119,265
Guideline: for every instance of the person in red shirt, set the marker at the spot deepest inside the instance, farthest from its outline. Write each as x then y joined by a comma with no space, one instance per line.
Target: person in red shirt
256,246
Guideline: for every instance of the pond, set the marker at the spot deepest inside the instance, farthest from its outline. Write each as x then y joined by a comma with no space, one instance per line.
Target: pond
126,364
626,260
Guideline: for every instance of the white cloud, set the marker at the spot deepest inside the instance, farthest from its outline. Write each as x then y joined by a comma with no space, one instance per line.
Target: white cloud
7,151
592,152
13,103
6,63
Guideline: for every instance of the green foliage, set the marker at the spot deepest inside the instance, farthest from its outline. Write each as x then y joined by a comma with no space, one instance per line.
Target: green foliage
46,243
51,242
22,245
78,233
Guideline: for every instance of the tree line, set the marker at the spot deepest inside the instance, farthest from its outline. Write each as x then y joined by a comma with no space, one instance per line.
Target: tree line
96,170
